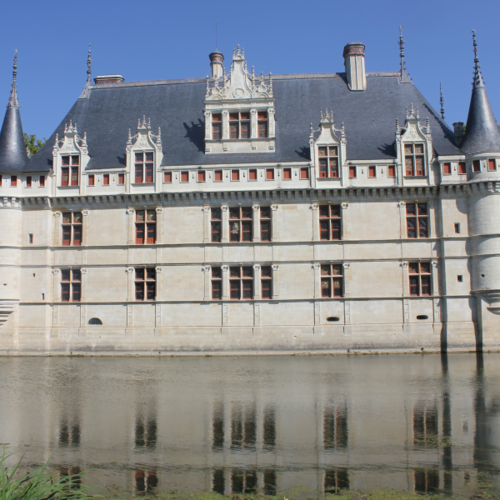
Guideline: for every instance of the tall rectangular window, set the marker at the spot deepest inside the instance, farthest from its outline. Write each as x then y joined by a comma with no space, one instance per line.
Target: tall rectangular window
267,282
70,170
391,171
328,161
216,126
330,220
352,172
91,179
265,223
216,224
167,177
216,283
240,224
218,176
417,220
332,281
446,168
28,181
235,175
145,283
121,178
105,179
42,181
372,171
13,181
252,174
201,176
145,227
72,229
414,160
262,121
270,174
420,278
71,285
144,166
1,180
239,125
241,282
491,164
287,174
462,167
185,176
304,173
476,166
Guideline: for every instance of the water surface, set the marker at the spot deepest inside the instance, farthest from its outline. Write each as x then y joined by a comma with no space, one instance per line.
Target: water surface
244,424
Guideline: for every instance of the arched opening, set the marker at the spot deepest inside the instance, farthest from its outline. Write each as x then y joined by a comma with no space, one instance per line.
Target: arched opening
333,318
95,321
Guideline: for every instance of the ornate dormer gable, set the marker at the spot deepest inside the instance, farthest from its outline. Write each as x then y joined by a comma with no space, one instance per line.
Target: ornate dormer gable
239,111
328,147
144,153
414,145
70,156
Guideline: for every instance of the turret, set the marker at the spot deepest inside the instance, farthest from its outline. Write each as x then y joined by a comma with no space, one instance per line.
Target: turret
216,60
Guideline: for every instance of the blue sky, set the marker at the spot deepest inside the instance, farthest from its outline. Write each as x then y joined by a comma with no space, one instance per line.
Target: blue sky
157,40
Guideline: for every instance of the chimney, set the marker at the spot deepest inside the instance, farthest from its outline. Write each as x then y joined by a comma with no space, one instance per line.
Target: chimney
216,60
354,62
458,128
108,79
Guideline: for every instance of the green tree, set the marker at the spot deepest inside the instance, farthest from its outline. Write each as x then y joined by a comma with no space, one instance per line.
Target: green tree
33,144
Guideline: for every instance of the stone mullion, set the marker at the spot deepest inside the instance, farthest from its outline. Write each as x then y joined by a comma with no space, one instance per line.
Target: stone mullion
56,286
159,283
207,282
257,278
225,282
253,124
225,224
315,221
317,281
57,229
225,125
344,232
85,226
159,232
276,281
130,284
256,223
274,223
402,216
131,226
206,224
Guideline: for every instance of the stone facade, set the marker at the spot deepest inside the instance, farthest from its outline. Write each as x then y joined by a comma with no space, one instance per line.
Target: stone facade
249,248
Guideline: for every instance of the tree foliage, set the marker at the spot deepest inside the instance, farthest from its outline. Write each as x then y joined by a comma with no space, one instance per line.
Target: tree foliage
33,144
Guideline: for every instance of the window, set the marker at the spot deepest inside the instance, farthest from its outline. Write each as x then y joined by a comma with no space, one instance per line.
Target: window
262,123
328,161
270,174
330,222
72,229
391,171
145,283
239,125
0,180
372,171
476,166
267,282
417,220
420,278
457,227
121,178
287,173
105,180
70,165
144,167
145,230
71,285
91,180
304,173
216,283
201,176
332,282
491,165
218,176
352,172
13,181
241,282
460,278
217,126
446,168
235,175
167,177
414,160
240,224
216,224
265,223
28,181
185,176
30,239
252,174
42,181
462,167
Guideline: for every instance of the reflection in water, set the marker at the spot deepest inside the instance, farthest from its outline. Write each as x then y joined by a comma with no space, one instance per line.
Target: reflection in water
75,482
258,424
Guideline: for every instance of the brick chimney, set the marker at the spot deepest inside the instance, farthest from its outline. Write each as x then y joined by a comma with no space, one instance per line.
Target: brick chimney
354,62
108,79
458,128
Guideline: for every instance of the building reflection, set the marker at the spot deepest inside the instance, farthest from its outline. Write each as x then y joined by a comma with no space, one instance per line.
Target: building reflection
145,481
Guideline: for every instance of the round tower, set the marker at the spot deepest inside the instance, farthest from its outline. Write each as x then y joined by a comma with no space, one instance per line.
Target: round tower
216,60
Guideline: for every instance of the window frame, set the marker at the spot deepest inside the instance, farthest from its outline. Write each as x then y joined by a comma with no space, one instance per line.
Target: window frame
72,228
241,284
372,169
330,273
216,281
414,155
391,171
245,224
419,219
328,161
144,167
13,181
417,277
216,122
121,179
332,215
145,226
447,169
143,282
105,179
262,124
266,282
492,161
253,174
167,177
215,224
91,180
29,181
71,287
41,181
476,166
241,125
462,167
287,174
353,172
266,219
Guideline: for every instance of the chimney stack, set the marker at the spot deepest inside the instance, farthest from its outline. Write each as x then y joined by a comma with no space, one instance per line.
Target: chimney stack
216,60
354,62
458,128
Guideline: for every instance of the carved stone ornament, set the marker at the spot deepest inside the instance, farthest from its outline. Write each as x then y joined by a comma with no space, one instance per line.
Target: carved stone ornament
130,270
129,211
346,265
256,208
344,205
71,142
85,212
256,267
274,207
55,271
314,206
275,267
159,269
316,266
404,264
224,208
206,269
225,269
84,270
413,130
159,210
144,138
327,133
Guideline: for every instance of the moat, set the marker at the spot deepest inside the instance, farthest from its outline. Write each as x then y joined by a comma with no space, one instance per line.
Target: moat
242,424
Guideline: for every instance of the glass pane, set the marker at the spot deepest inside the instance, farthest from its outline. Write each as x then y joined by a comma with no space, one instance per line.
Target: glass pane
233,128
233,116
325,270
335,210
322,151
76,292
425,267
234,272
248,272
151,273
216,117
216,272
139,274
265,230
65,160
77,217
151,233
413,267
266,271
234,213
151,214
151,290
75,160
266,289
66,218
408,148
234,228
247,231
77,235
216,289
246,212
426,285
139,291
410,208
65,273
77,275
422,209
139,215
245,130
333,150
139,157
235,289
422,228
216,213
265,212
149,156
323,211
247,289
337,269
419,148
65,292
216,129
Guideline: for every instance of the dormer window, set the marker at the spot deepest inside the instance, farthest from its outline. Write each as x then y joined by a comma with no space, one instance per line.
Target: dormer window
414,160
69,170
216,126
262,122
239,125
144,168
328,161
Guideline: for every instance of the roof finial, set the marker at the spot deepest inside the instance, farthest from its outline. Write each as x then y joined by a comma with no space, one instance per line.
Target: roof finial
441,100
89,65
13,93
478,77
404,74
216,37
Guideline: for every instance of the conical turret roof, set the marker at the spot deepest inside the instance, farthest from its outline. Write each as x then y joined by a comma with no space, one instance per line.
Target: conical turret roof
13,155
481,133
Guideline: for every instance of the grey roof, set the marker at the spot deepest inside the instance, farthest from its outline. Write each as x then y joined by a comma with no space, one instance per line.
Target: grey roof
177,107
481,132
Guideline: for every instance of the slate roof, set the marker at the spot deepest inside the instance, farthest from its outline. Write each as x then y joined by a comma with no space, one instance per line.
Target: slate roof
177,107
